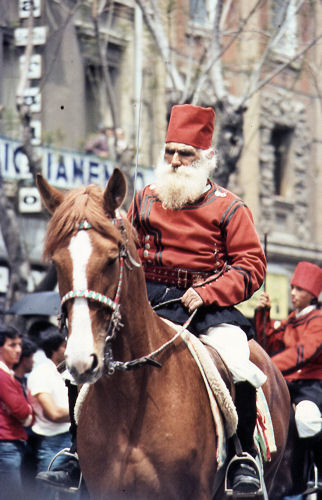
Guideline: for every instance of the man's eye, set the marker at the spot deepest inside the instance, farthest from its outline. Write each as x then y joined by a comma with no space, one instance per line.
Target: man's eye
171,152
185,153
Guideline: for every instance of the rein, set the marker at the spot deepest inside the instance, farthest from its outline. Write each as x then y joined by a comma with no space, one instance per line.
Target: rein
137,363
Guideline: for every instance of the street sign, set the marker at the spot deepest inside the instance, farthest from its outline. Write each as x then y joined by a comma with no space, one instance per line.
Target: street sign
24,8
36,132
29,200
39,35
34,70
32,98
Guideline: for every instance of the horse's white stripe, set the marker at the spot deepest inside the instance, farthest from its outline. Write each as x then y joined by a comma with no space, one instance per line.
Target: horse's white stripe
80,344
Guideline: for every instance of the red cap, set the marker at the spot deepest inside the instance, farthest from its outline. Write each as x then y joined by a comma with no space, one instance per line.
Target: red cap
191,125
309,277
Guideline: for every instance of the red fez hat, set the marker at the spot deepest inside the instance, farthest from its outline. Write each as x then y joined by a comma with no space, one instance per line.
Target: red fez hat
191,125
309,277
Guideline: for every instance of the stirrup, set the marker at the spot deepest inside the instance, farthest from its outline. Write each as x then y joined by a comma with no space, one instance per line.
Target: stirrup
312,485
244,457
71,489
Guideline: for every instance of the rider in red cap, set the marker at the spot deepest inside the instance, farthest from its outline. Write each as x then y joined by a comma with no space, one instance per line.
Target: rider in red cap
200,252
295,347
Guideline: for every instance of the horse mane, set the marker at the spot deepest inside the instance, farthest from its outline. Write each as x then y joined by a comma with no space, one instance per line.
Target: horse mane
78,204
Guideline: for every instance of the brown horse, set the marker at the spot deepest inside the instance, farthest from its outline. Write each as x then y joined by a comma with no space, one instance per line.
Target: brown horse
145,431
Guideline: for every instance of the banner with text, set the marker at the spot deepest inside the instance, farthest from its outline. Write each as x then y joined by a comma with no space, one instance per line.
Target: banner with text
61,167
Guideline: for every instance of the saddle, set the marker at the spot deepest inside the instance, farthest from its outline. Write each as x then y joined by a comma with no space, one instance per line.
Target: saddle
221,388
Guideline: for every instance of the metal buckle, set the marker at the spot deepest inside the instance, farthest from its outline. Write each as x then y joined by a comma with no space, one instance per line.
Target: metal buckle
184,279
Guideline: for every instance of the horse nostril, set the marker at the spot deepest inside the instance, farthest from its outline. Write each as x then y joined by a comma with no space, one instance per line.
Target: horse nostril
94,363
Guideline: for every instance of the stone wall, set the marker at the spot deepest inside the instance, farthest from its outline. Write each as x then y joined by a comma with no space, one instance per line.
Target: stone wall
287,218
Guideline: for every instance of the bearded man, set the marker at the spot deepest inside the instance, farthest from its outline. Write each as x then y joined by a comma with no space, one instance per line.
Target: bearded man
198,243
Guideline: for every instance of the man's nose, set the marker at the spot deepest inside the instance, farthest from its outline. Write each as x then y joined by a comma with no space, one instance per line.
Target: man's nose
175,159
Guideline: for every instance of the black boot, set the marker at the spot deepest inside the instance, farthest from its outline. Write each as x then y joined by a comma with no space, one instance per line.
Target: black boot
243,472
67,476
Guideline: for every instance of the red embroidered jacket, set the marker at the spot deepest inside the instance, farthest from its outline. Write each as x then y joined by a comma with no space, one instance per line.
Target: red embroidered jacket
216,230
295,345
15,411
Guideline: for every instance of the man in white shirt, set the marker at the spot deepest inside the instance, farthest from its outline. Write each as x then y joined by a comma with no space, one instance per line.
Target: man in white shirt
50,400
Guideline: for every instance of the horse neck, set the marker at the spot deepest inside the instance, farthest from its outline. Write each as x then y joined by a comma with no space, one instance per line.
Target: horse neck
143,330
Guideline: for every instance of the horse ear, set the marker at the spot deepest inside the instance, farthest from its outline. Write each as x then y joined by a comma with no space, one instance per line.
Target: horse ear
50,196
115,192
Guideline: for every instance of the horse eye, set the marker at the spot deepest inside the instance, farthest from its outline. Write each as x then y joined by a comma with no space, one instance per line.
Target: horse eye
111,261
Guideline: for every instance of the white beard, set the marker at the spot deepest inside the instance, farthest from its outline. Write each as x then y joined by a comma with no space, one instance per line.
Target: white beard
186,184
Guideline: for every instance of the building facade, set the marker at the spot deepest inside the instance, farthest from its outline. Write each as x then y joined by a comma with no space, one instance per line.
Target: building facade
78,80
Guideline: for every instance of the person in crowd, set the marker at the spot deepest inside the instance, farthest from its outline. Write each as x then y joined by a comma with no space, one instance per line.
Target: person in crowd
295,347
50,400
198,244
25,363
98,145
121,143
15,414
22,369
36,331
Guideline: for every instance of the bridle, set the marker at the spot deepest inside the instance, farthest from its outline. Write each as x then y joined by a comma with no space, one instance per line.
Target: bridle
115,323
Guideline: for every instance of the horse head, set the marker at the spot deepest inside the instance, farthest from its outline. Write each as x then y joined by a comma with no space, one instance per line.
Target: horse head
88,242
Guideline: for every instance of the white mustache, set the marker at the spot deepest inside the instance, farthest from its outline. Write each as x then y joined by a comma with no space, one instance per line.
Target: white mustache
178,186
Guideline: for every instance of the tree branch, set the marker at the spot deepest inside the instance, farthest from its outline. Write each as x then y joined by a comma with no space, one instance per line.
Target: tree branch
102,51
216,56
216,68
152,19
279,30
283,66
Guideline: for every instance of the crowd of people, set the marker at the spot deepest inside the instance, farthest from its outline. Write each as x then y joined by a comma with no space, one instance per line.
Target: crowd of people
107,142
34,412
221,263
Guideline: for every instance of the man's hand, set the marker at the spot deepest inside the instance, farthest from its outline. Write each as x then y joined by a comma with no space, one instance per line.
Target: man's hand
263,301
191,300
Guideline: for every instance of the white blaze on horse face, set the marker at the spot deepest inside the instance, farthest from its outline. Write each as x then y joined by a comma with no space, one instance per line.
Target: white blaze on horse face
80,346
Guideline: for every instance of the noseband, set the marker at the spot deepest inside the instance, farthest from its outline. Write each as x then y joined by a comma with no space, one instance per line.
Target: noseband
115,321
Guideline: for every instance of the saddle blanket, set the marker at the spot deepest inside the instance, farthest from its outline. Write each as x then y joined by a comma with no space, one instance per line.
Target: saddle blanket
222,406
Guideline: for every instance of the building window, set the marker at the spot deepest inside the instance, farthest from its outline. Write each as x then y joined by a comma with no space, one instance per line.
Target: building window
202,11
284,20
281,142
97,103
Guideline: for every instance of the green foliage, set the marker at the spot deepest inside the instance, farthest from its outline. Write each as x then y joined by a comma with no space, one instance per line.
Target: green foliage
10,123
53,137
170,7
